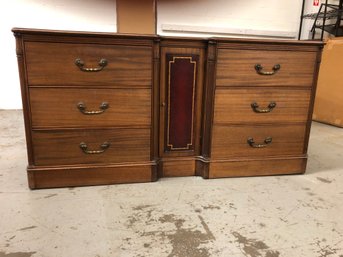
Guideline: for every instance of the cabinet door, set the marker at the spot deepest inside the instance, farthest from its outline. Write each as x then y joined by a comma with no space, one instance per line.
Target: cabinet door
181,101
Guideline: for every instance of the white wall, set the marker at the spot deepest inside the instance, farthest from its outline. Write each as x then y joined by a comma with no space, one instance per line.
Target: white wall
258,18
261,18
83,15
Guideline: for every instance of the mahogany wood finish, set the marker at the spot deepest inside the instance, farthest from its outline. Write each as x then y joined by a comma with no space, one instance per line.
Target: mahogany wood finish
104,108
231,140
45,60
261,167
89,175
62,147
58,107
194,51
179,167
284,131
234,105
237,68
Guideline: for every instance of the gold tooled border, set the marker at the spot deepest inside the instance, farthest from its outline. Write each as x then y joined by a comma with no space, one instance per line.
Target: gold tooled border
190,58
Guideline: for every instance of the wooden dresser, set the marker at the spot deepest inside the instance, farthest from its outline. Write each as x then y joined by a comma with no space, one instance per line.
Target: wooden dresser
105,108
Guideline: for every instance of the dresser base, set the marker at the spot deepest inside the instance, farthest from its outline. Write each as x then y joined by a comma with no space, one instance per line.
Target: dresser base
261,167
49,177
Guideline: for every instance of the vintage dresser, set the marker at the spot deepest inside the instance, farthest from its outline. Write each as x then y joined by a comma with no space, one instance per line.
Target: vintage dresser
104,108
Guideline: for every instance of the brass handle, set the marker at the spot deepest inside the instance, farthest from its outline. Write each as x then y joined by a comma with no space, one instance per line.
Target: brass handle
252,143
259,69
103,147
257,108
79,63
82,107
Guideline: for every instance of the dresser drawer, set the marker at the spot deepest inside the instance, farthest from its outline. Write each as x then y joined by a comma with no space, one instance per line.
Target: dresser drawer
100,146
237,68
251,105
70,107
55,64
232,141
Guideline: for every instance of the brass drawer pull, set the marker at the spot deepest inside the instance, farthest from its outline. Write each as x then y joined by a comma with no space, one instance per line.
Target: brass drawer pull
259,69
104,146
257,108
82,107
252,143
79,63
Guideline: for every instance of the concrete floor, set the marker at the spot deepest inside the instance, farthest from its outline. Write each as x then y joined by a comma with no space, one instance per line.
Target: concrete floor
276,216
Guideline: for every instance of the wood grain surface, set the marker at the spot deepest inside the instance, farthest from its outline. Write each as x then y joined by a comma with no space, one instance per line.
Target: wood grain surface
54,64
89,175
134,84
57,107
178,168
233,105
231,141
257,167
63,147
237,68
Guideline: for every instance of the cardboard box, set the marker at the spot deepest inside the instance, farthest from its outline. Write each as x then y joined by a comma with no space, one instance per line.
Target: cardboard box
136,16
328,106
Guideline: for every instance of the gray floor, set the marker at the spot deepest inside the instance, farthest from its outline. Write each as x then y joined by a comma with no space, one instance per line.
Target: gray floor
276,216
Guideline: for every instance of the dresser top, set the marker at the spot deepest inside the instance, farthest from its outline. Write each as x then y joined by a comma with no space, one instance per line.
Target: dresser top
45,32
78,33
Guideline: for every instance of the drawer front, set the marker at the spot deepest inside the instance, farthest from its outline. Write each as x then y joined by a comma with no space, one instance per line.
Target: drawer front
261,106
54,64
232,141
237,68
100,146
70,107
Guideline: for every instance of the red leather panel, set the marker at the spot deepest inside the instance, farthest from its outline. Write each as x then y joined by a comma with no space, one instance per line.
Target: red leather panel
181,81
